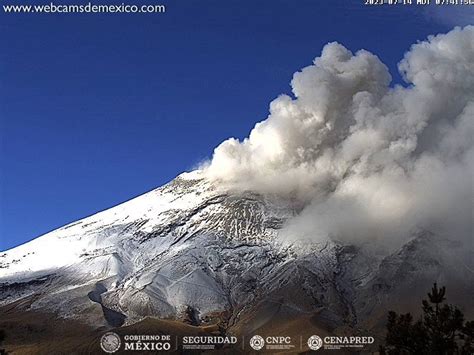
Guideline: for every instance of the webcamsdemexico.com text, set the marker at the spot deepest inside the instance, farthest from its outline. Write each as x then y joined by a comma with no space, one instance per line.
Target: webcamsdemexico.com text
89,8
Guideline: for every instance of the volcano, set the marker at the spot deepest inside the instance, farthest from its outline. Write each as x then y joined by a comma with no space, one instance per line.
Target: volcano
192,258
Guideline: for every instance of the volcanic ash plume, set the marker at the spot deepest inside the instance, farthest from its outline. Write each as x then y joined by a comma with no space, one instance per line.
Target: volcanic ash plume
368,159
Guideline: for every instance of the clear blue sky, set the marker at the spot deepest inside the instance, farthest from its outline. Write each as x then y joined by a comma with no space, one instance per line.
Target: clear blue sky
97,109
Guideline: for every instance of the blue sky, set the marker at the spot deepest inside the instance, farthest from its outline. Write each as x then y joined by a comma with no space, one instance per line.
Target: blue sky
97,109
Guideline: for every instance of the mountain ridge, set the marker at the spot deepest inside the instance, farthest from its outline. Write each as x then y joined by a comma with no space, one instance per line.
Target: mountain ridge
190,247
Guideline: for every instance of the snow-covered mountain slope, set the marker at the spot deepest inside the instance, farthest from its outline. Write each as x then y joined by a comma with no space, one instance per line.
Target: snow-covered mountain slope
189,247
179,245
105,231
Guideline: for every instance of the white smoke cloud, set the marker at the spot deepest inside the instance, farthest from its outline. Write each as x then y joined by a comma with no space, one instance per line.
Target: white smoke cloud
367,159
